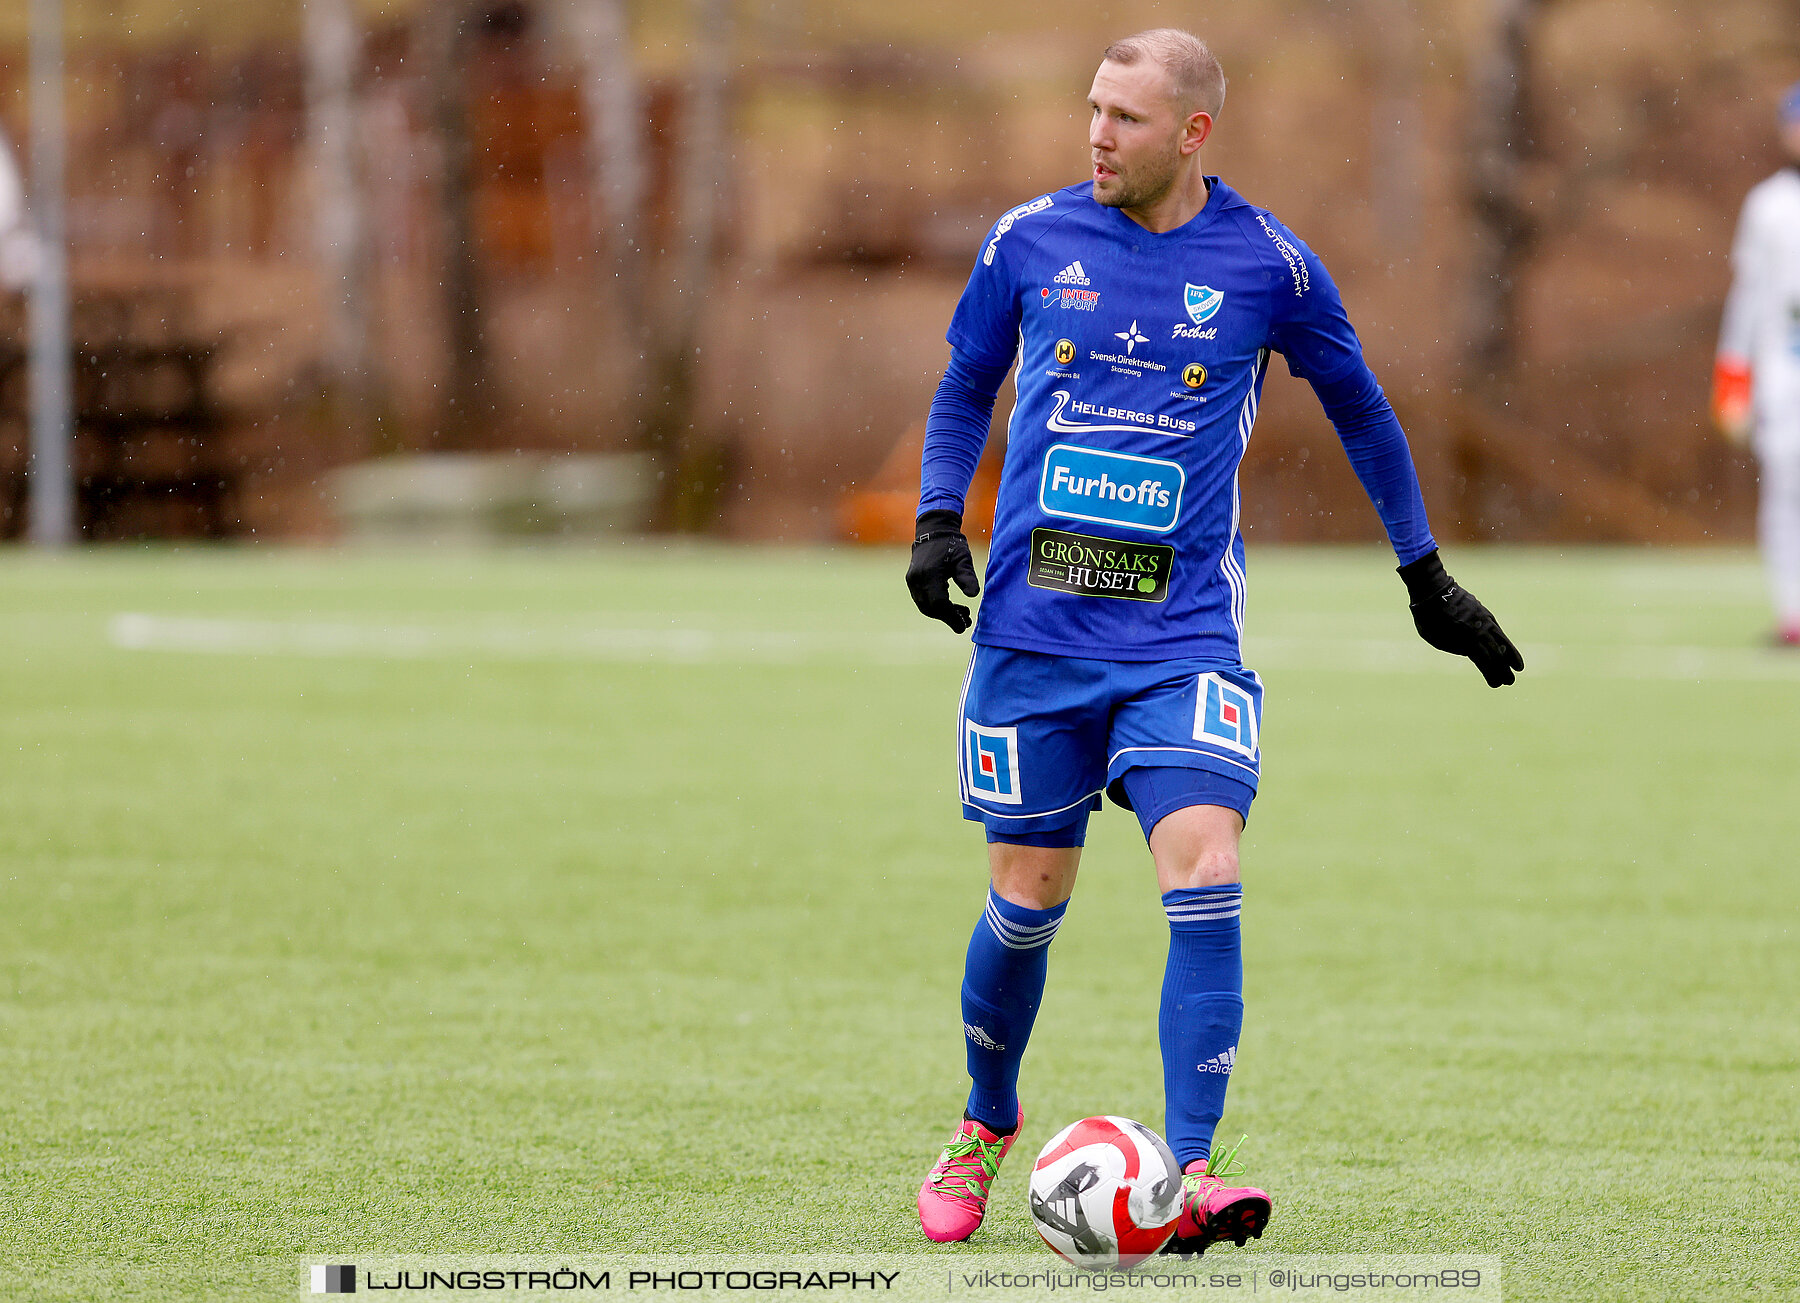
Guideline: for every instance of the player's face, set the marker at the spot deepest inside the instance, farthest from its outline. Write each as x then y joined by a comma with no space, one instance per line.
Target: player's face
1135,134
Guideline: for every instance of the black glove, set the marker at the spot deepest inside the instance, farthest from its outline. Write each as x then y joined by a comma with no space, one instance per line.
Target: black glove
940,553
1450,619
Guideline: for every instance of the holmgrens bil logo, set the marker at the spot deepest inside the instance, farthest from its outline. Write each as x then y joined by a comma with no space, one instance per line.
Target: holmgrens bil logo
1193,375
1065,351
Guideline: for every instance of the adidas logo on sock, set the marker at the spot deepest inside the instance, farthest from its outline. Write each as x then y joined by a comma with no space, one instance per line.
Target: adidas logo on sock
981,1038
1072,274
1221,1063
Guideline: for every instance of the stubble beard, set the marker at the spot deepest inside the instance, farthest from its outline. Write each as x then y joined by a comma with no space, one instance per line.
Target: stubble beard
1147,186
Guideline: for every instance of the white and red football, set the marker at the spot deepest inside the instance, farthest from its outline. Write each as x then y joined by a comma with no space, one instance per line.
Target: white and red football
1105,1193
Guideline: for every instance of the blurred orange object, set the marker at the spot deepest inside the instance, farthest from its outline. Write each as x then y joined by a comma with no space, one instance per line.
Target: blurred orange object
1731,398
883,510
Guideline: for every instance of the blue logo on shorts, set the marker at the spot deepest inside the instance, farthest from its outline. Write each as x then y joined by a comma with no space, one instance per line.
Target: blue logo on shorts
1225,715
1111,488
992,758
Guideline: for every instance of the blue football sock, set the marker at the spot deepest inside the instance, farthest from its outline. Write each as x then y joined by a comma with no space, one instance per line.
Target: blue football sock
1003,983
1202,1013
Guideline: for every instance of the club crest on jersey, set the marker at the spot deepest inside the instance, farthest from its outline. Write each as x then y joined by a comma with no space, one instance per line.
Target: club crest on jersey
1203,302
1225,715
991,757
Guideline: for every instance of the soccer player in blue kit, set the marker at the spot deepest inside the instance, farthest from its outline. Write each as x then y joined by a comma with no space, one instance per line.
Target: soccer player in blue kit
1142,307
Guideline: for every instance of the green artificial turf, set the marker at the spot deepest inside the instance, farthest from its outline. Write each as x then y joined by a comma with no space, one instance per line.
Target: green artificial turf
616,901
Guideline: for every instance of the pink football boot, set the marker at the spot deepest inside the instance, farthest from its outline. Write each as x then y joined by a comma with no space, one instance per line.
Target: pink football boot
954,1198
1214,1211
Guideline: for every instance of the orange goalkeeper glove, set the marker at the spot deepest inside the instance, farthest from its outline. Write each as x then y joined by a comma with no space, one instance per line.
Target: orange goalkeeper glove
1731,398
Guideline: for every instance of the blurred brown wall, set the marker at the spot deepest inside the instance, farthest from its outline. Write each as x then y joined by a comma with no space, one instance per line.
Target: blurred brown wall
871,150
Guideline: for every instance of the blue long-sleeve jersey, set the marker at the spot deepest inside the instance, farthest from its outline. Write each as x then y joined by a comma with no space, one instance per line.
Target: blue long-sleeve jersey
1141,358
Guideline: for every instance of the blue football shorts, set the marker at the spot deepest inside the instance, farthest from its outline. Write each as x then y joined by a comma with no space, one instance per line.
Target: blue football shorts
1044,737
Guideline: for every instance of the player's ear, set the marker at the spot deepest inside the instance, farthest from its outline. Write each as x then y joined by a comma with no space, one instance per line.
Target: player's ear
1195,131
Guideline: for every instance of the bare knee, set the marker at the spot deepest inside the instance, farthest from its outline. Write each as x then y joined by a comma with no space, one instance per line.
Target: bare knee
1214,867
1037,877
1196,847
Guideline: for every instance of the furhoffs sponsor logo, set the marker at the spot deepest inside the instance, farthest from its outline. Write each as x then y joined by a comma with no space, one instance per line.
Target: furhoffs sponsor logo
1111,488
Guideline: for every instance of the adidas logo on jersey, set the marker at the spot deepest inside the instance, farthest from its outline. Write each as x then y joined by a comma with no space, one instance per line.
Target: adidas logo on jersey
1221,1063
1071,275
980,1037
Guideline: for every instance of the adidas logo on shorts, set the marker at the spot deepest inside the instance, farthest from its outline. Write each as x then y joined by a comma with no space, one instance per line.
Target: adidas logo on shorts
1072,274
1221,1063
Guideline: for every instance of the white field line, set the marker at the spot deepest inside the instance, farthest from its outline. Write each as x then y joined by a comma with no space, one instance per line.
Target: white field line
134,631
212,635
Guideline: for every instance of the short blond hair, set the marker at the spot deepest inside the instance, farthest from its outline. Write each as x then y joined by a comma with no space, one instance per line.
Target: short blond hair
1195,77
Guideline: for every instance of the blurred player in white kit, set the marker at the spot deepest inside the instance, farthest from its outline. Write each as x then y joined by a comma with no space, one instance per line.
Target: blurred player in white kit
1756,375
18,251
